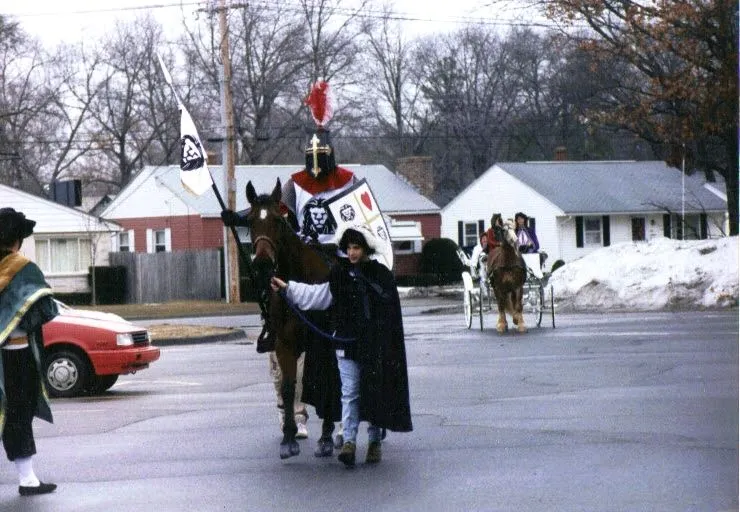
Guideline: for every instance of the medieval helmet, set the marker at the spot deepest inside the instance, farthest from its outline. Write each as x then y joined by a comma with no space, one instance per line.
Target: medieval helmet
320,158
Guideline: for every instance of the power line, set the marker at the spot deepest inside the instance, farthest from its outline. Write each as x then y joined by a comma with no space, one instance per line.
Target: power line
150,7
271,6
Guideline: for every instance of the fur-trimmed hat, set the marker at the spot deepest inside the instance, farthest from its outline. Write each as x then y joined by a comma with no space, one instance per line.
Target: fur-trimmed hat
14,226
346,232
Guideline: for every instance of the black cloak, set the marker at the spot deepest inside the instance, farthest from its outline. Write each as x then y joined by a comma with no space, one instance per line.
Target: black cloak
366,307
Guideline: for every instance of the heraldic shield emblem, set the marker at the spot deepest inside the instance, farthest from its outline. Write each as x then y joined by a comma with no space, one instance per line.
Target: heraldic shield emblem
357,205
191,156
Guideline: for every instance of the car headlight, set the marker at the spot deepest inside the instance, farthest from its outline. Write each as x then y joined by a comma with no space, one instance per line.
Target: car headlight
124,340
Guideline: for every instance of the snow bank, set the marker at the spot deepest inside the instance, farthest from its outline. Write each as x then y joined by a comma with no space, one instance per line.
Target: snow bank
656,275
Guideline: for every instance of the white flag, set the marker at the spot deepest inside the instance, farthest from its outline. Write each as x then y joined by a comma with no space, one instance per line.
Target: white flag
194,173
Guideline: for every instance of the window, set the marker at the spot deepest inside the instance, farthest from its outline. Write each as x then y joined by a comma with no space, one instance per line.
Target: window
470,238
124,241
592,231
695,228
638,229
405,247
160,241
63,255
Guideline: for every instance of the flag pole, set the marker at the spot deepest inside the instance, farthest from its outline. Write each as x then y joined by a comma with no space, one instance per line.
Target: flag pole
242,253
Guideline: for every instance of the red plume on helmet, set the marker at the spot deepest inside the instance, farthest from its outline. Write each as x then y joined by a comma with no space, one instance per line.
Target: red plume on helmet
320,101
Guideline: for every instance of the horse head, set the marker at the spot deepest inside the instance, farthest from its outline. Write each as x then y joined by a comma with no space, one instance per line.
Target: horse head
267,229
509,234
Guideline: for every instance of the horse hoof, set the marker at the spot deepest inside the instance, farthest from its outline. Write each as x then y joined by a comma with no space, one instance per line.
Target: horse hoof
289,449
324,448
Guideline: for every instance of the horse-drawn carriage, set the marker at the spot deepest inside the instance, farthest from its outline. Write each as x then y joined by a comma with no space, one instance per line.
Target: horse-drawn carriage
537,296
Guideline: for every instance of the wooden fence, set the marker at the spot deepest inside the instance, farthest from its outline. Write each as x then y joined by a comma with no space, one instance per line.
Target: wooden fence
168,276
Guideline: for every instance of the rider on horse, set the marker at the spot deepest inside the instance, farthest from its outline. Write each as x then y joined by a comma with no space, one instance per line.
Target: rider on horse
304,206
494,234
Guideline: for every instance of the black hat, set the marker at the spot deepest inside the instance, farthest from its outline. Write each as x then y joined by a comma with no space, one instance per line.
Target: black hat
14,226
522,215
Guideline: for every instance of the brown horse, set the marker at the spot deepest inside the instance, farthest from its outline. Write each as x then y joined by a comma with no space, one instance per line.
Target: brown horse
507,276
279,251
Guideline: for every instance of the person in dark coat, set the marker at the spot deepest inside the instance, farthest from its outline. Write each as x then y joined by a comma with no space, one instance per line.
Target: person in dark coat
367,337
26,303
525,234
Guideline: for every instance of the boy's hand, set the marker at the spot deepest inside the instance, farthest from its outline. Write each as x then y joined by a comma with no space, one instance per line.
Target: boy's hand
277,284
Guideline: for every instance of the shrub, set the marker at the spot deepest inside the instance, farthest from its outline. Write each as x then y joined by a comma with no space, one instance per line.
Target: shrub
440,258
557,265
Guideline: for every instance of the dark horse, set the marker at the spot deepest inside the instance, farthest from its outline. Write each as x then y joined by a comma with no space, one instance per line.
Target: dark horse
279,251
507,275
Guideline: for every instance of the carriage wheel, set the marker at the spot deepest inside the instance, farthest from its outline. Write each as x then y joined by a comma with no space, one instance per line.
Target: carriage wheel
552,305
533,304
468,308
485,295
480,307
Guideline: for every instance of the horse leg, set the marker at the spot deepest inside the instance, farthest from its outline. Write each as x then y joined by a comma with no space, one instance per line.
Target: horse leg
517,296
288,446
501,325
325,446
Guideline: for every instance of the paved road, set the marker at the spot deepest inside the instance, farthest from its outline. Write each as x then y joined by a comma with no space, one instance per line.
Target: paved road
607,412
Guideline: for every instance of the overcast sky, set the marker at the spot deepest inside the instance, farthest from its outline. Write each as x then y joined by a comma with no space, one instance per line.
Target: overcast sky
70,20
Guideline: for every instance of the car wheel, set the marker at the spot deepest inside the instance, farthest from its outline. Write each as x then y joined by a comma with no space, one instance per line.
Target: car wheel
101,383
65,373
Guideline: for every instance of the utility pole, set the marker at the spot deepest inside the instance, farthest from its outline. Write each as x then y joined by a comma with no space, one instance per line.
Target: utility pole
232,254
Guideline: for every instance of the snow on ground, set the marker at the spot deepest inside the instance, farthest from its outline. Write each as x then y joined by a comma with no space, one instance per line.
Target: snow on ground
662,274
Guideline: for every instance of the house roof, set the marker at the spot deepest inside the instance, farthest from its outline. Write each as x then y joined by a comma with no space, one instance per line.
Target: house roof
616,187
52,217
393,194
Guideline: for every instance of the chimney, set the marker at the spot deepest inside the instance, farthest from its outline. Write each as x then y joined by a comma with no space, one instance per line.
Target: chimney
68,193
418,171
561,153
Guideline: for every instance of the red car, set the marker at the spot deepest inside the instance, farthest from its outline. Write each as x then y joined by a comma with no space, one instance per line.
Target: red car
86,351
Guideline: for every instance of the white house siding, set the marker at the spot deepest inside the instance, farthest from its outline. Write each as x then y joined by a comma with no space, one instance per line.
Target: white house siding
620,231
152,198
54,220
498,192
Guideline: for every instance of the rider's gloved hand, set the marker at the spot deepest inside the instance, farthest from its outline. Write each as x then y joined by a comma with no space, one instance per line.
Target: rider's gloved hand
308,239
230,218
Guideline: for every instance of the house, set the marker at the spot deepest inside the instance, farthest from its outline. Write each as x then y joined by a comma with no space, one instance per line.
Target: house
158,214
65,241
577,207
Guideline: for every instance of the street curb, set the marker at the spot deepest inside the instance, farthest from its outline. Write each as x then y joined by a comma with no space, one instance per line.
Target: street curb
165,342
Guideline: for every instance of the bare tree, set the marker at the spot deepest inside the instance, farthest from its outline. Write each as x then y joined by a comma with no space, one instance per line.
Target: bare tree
39,138
686,54
129,107
472,88
390,74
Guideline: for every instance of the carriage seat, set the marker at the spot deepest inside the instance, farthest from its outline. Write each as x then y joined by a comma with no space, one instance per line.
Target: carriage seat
533,263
